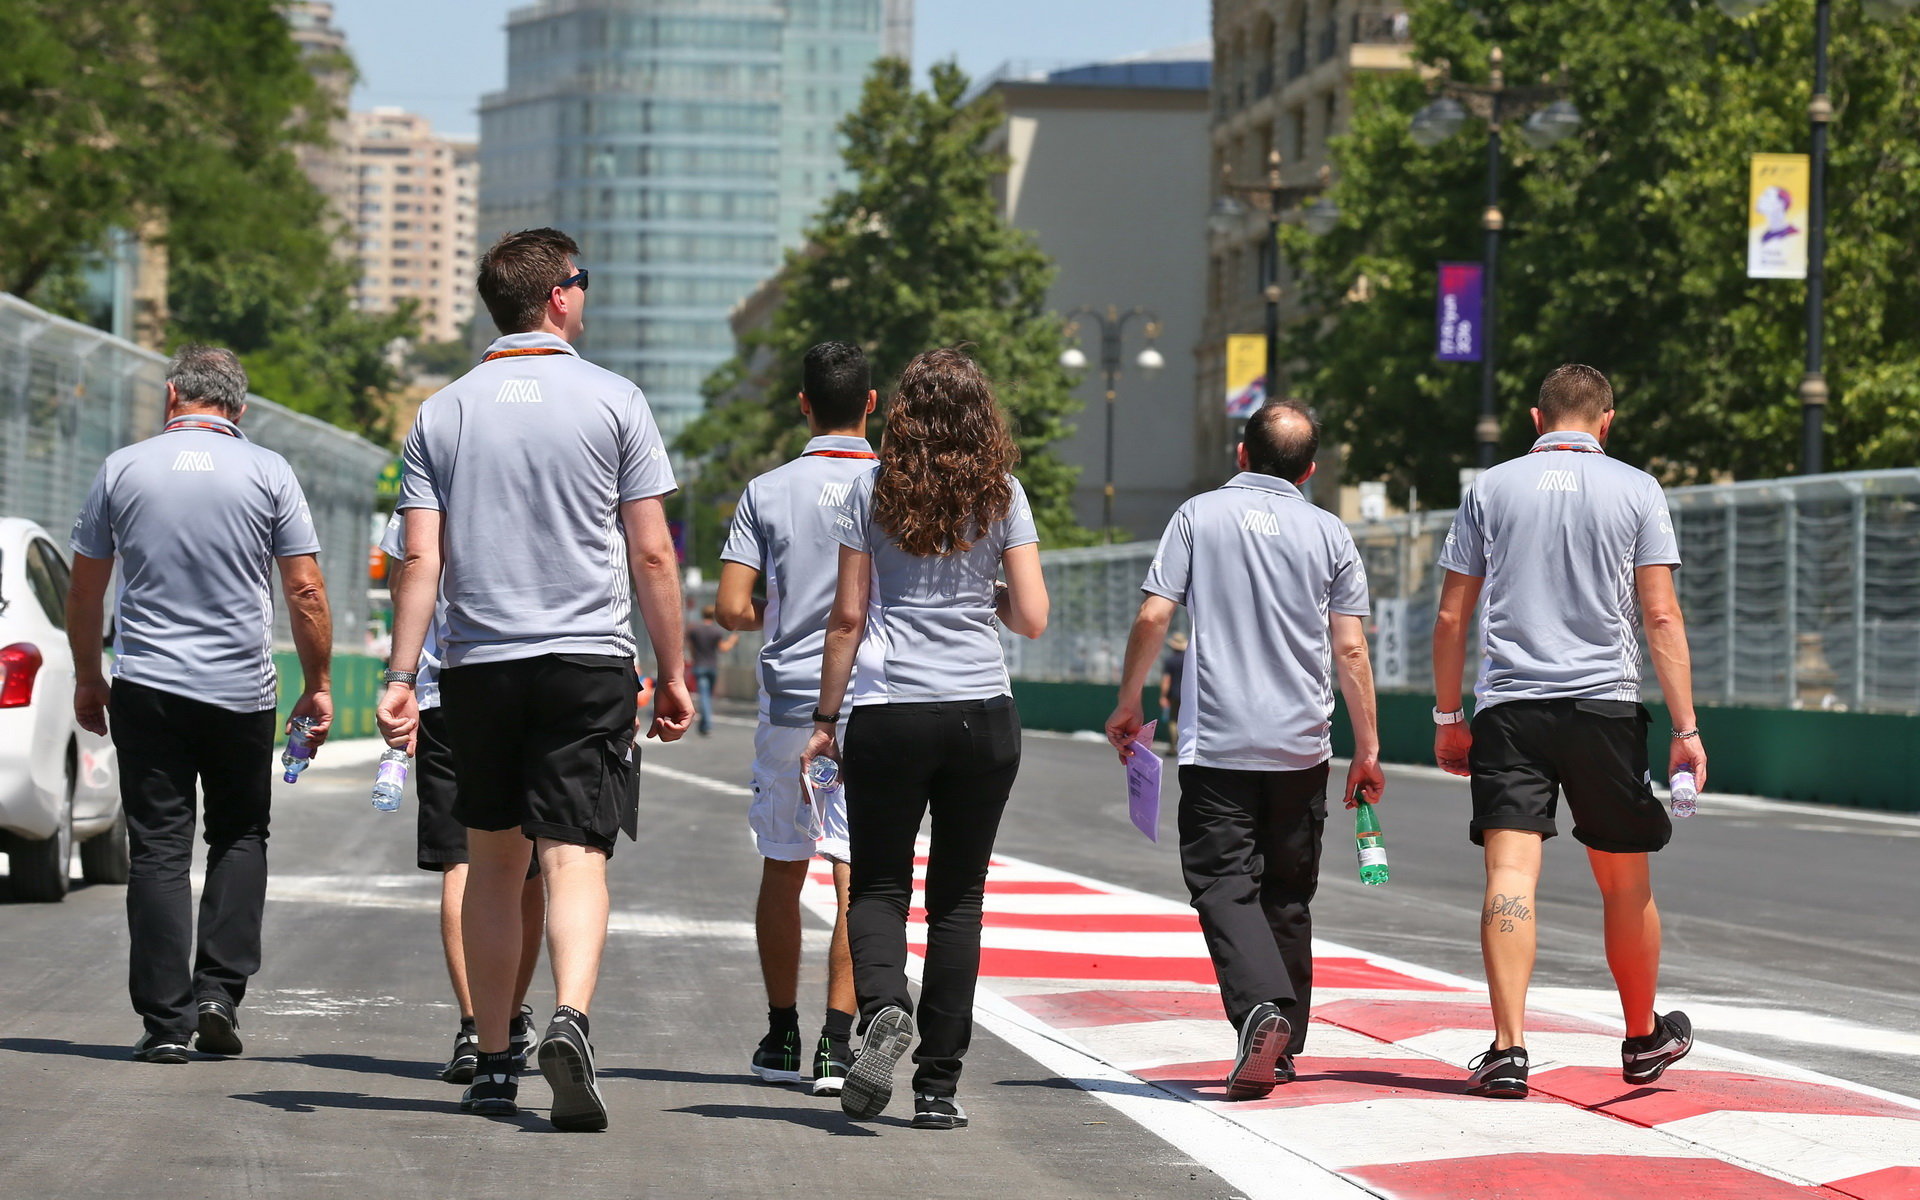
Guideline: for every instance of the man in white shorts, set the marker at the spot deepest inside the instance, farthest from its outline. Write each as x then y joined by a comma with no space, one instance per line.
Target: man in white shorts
782,530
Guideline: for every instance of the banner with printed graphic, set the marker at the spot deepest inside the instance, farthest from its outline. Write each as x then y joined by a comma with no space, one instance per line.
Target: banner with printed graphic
1777,216
1246,374
1457,318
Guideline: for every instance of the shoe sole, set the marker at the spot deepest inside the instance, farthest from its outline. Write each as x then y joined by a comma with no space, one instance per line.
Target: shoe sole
938,1121
1660,1070
869,1084
217,1035
1253,1077
1500,1091
829,1085
490,1107
172,1058
460,1071
577,1106
771,1075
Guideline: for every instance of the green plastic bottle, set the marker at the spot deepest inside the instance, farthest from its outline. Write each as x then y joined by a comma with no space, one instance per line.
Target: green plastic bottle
1371,845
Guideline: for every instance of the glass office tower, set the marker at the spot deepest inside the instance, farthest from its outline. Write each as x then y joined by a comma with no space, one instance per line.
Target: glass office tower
685,144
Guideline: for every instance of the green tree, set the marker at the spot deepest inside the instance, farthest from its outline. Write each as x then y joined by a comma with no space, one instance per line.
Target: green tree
1627,241
913,256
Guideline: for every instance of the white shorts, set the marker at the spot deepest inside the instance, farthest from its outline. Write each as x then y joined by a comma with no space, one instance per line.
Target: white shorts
778,795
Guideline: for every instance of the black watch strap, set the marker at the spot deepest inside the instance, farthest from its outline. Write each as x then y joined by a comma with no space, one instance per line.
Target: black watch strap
820,718
406,677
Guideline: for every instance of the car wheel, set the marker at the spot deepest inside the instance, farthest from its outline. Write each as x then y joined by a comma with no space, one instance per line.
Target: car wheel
103,857
39,869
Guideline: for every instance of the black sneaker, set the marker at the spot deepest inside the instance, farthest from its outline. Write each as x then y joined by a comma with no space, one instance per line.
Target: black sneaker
1501,1074
937,1112
777,1058
1283,1071
466,1055
831,1062
1263,1039
160,1048
521,1039
219,1029
869,1082
566,1059
1642,1059
495,1090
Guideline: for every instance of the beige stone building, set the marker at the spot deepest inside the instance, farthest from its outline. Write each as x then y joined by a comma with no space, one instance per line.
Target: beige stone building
413,209
323,46
1282,79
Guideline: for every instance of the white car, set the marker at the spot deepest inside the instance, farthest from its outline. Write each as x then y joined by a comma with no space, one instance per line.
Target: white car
59,784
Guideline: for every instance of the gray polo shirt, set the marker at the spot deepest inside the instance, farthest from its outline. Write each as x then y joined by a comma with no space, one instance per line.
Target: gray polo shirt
783,528
530,458
1557,534
196,516
1259,570
426,684
932,633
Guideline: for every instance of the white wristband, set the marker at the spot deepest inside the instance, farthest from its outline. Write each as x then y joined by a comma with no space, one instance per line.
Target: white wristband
1456,717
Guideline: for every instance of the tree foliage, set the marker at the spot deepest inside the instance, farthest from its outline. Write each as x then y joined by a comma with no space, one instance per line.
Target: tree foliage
1626,245
913,256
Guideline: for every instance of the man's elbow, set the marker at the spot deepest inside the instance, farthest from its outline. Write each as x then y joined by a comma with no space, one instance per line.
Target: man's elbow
731,618
1035,625
655,559
307,593
1663,620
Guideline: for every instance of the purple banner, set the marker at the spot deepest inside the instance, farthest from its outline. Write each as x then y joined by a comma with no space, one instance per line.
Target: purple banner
1458,316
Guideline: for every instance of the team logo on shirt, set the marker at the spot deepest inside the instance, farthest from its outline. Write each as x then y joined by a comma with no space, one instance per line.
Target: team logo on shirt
844,521
193,460
519,391
833,495
1260,522
1558,481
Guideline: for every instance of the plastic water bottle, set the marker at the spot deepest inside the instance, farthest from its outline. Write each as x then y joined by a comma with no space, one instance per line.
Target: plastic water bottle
1371,844
1686,794
823,781
390,781
298,755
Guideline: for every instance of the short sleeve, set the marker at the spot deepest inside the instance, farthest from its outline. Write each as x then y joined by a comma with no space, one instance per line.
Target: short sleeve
1347,594
1466,550
1655,544
851,525
418,487
644,469
93,528
1017,527
293,531
393,539
744,543
1173,560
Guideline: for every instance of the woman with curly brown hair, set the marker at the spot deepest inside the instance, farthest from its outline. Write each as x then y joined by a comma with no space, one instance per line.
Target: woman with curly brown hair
924,540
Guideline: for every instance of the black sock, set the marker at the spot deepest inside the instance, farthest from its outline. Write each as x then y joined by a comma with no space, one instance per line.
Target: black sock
503,1063
782,1019
838,1027
467,1025
572,1014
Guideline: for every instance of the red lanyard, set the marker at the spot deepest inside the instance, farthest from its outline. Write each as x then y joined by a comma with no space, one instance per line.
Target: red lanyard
190,422
840,454
1576,447
528,352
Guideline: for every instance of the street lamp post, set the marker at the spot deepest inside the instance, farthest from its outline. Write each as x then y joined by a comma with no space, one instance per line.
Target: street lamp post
1113,324
1550,117
1228,213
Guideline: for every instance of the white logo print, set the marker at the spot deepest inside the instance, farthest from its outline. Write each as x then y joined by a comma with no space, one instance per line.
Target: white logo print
1261,522
833,495
519,391
194,460
1558,481
845,521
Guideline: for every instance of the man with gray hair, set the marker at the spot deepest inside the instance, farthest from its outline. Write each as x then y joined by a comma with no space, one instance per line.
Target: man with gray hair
197,517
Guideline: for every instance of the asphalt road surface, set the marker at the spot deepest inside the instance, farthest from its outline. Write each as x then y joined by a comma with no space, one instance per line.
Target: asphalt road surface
1790,934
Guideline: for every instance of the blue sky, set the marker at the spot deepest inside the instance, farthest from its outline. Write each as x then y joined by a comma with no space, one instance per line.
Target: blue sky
437,57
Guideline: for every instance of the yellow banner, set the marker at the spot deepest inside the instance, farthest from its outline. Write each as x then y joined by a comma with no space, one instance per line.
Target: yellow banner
1246,374
1777,217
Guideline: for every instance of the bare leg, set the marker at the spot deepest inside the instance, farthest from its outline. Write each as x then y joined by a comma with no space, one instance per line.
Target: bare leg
490,928
1633,933
840,995
533,926
776,926
453,887
1507,928
577,907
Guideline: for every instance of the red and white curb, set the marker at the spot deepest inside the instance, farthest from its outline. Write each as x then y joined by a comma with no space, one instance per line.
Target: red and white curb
1113,989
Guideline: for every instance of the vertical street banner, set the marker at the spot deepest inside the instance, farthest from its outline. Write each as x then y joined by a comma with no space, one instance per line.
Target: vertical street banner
1457,318
1246,374
1777,189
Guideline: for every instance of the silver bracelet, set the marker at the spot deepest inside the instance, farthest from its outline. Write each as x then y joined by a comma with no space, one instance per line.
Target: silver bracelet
1681,735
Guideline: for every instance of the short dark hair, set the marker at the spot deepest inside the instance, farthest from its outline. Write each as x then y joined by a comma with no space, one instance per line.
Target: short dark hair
1282,439
1574,390
209,375
836,381
519,272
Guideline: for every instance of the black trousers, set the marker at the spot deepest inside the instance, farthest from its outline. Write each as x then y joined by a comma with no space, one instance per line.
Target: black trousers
958,761
166,743
1250,851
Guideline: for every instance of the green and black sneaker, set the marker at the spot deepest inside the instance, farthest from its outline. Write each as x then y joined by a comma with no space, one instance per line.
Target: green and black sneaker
831,1062
777,1059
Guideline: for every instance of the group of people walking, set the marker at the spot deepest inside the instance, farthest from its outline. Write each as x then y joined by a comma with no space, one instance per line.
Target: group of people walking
532,520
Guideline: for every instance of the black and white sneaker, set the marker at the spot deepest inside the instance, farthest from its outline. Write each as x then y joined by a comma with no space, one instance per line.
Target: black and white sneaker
466,1054
1501,1074
566,1059
869,1083
495,1090
1263,1039
777,1058
1642,1059
831,1062
1284,1070
160,1048
219,1031
937,1112
520,1038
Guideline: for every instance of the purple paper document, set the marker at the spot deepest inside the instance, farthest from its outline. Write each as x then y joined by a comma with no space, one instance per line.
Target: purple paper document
1143,783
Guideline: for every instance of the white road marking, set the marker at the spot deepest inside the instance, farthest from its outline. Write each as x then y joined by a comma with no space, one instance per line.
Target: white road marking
1820,1147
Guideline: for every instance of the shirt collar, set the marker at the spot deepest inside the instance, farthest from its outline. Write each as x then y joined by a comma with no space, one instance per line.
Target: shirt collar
536,340
1266,483
836,441
209,419
1568,438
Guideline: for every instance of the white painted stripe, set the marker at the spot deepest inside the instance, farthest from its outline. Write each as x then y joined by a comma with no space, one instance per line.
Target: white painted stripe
1143,1045
649,767
1094,944
1375,1132
1786,1024
1546,1051
1817,1147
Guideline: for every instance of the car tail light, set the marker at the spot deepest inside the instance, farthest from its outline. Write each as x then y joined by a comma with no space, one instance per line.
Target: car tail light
19,664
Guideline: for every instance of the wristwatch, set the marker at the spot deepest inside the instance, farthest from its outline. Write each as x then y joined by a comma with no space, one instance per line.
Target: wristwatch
406,677
820,718
1456,717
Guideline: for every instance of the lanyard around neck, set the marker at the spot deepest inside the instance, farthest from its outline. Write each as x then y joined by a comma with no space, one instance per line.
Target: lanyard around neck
528,352
1576,447
199,423
840,454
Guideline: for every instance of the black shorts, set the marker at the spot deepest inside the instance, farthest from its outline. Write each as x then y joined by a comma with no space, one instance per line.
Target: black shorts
442,840
1525,752
544,745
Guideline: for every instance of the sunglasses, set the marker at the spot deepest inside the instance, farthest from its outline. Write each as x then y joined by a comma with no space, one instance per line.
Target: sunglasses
579,280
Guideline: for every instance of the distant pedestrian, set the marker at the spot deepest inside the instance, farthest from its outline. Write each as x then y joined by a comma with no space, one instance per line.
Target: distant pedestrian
1278,599
924,540
533,487
197,517
1173,671
783,533
706,642
1575,551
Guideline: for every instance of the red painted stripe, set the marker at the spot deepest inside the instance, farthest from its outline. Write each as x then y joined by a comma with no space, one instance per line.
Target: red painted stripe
1399,1020
1892,1183
1052,964
1081,1010
1682,1094
1088,922
1360,973
1571,1177
1322,1080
